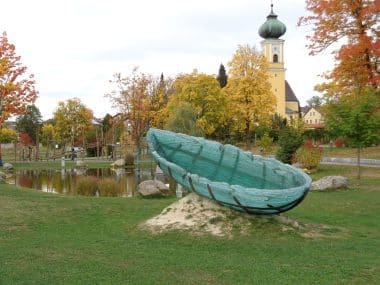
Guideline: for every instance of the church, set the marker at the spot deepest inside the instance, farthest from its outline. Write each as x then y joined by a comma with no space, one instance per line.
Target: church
273,48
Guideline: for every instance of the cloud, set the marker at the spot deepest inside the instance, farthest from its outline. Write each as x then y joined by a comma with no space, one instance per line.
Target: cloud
75,47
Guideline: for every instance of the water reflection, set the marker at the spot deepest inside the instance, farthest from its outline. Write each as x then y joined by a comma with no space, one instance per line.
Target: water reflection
65,181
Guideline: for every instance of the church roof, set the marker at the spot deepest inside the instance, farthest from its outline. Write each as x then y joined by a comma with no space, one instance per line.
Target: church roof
289,94
272,28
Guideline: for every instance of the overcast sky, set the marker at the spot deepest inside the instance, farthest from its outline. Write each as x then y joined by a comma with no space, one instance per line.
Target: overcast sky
74,47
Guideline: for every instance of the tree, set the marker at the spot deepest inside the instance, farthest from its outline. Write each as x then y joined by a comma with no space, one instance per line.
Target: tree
289,141
30,122
7,135
357,119
184,120
205,96
314,102
133,100
73,119
277,123
160,98
47,134
353,27
222,76
17,89
252,101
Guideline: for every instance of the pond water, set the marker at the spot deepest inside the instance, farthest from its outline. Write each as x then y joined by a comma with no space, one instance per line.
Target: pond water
65,181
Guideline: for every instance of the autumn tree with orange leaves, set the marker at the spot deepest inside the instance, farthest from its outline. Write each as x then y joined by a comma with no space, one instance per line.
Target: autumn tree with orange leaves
132,98
352,27
17,89
352,87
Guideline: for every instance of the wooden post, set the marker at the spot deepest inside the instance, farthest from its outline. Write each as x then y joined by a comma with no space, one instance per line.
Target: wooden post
37,157
15,150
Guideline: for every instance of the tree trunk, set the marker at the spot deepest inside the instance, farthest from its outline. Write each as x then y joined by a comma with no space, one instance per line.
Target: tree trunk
15,150
37,144
247,129
1,156
358,161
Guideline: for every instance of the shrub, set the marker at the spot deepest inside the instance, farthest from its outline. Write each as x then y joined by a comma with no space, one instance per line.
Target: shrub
339,142
109,188
308,143
289,141
266,144
309,157
183,119
87,186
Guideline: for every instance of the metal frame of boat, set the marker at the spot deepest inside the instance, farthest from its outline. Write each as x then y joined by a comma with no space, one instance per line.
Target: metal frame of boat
228,175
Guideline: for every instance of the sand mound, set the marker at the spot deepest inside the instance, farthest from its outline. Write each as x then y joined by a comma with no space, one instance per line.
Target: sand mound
199,215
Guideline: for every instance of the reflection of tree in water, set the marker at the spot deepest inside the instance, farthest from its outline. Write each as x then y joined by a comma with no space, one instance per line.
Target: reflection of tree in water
114,182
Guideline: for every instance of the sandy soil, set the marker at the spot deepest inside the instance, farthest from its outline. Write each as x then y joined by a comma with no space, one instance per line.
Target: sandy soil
199,216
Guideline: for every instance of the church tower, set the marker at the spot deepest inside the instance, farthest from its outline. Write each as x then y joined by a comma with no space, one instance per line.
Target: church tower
273,49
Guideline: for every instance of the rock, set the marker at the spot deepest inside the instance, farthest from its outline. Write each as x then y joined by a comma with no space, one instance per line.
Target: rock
3,176
159,175
329,183
153,188
80,170
119,163
7,167
80,164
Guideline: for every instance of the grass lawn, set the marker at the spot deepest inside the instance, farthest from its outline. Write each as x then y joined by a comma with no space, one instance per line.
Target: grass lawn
368,152
55,239
56,164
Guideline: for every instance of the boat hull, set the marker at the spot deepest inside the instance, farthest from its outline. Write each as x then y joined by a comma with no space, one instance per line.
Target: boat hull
228,175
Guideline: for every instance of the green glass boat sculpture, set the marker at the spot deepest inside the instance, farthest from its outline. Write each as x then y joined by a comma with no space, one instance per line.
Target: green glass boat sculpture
228,175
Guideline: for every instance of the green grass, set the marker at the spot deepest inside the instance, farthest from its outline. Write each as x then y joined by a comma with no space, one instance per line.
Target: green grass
368,152
55,239
56,164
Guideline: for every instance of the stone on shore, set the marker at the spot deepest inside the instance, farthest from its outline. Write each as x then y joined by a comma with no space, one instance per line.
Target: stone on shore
119,163
329,183
153,188
7,166
80,164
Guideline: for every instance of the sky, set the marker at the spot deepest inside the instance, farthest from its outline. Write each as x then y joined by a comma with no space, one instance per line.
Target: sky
74,47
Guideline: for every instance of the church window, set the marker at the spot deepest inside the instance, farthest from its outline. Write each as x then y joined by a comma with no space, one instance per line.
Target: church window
275,58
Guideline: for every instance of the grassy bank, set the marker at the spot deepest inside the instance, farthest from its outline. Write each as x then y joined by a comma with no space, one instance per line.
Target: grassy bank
368,152
56,164
54,239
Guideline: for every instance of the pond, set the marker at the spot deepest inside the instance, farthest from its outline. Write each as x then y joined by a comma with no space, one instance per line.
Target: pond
65,181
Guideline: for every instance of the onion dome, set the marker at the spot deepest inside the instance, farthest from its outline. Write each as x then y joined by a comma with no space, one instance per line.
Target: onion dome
272,28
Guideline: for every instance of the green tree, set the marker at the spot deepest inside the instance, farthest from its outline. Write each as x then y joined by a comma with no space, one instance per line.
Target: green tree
357,119
277,123
30,122
222,76
288,142
183,119
248,88
314,102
